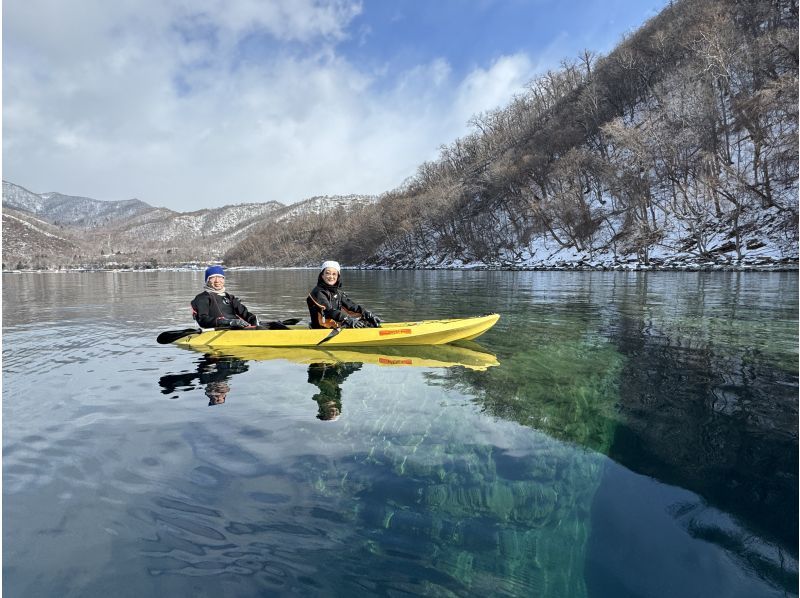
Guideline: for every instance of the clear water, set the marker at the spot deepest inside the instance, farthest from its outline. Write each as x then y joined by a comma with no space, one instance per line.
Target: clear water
638,438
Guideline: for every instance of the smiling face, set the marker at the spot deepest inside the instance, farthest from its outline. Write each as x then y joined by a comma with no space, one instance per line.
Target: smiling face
216,282
330,276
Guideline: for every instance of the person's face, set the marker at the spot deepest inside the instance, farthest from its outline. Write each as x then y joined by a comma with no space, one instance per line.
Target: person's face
330,276
329,412
216,282
216,392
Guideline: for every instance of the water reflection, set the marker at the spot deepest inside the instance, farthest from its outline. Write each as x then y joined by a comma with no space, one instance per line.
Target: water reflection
721,423
469,355
700,396
327,369
212,373
328,377
558,380
217,392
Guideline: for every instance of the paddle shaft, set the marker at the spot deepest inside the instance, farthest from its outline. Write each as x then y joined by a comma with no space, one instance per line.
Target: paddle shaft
336,331
170,336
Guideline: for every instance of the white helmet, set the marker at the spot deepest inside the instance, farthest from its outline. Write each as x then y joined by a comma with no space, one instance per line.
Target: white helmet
331,264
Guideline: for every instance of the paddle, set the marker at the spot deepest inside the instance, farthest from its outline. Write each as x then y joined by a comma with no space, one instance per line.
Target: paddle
170,336
290,321
336,331
275,325
282,325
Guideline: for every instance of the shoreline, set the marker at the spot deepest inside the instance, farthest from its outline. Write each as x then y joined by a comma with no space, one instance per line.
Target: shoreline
778,266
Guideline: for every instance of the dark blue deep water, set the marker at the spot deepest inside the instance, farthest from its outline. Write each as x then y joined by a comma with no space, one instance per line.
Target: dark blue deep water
616,434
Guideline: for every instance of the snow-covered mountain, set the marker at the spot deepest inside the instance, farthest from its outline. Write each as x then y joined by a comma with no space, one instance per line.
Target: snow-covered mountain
323,204
166,226
31,242
93,232
20,198
83,211
71,210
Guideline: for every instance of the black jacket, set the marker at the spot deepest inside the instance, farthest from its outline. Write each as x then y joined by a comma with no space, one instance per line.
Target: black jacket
207,308
328,306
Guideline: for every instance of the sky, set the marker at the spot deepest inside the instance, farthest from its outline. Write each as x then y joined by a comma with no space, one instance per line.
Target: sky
193,104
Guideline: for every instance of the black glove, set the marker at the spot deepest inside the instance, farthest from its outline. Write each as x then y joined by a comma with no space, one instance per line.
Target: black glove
371,318
350,322
237,323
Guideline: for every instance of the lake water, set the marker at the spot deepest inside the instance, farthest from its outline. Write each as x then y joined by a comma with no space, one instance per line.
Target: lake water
637,437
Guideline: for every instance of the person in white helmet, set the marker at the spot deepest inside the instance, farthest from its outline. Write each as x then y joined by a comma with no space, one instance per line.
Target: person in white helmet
330,307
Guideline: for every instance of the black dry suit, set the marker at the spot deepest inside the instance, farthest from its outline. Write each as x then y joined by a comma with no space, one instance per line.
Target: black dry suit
328,305
209,308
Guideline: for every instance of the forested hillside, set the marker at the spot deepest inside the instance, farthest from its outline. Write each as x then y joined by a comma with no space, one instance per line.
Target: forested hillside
680,144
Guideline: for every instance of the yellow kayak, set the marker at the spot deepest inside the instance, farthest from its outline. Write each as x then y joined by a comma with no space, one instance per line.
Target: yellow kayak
424,332
466,354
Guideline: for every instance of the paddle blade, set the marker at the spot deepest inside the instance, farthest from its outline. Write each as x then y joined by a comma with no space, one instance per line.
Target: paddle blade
170,336
333,333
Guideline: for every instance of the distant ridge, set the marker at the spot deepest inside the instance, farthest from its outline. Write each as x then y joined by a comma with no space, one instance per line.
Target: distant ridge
71,210
53,230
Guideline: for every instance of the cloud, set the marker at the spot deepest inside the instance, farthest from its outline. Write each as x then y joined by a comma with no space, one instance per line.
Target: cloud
493,87
197,104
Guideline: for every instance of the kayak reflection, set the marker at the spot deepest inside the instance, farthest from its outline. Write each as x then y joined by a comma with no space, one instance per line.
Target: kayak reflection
212,373
466,354
327,368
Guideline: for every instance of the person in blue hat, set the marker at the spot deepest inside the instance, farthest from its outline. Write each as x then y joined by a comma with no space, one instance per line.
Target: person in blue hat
216,308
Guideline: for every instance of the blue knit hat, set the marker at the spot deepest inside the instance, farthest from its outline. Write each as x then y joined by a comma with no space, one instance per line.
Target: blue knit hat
214,271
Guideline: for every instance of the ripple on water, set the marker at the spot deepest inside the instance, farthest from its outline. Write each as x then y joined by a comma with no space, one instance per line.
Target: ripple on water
27,463
206,477
42,348
270,498
219,453
196,540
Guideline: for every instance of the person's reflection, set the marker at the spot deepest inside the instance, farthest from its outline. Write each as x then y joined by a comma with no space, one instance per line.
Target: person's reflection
217,392
213,372
328,377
